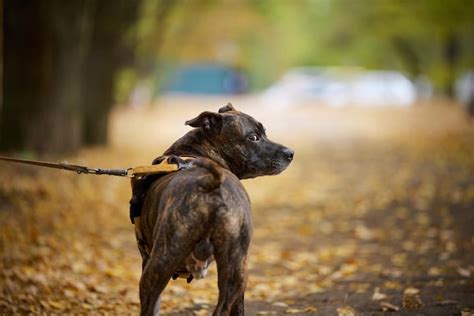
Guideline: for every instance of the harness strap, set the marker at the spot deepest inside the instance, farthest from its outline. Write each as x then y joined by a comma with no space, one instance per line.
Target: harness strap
140,182
167,165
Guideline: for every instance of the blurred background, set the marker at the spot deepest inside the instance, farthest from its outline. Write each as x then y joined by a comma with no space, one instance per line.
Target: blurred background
376,97
66,66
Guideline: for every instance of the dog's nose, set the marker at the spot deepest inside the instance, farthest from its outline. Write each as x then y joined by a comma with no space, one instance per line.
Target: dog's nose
288,153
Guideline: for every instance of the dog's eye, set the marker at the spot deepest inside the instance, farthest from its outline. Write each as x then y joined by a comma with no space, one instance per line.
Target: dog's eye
254,138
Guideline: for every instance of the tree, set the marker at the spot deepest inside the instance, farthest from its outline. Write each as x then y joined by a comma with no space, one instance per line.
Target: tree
111,48
61,60
421,38
44,45
431,38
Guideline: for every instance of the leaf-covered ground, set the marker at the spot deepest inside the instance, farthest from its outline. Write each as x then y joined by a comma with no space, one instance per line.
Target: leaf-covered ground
375,214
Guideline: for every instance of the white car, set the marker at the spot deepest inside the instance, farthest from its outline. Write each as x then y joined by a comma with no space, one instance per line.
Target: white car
465,88
341,87
383,88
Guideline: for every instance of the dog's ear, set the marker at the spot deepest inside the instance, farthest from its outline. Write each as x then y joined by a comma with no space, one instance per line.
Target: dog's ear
209,121
227,108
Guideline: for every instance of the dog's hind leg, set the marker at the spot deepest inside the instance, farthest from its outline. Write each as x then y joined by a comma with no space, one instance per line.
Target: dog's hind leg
162,263
155,276
231,257
156,308
232,280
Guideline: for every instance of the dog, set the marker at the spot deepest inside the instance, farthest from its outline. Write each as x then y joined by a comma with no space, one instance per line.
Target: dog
202,213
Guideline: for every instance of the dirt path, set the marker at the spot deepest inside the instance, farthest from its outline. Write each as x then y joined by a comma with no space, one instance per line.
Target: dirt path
376,213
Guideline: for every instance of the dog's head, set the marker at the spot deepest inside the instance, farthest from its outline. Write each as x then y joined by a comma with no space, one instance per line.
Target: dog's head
242,143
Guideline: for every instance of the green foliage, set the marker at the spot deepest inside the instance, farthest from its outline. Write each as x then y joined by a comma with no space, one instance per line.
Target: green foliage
431,38
266,37
126,80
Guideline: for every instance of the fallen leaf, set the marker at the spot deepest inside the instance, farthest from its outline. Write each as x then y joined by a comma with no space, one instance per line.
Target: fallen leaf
446,302
293,311
364,233
45,304
434,271
266,313
467,312
378,296
411,291
201,312
57,305
345,311
464,272
388,306
280,304
309,309
412,302
86,306
200,300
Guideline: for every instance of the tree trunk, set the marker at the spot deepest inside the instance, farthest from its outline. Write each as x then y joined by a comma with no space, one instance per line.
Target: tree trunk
61,61
450,56
43,59
108,53
408,56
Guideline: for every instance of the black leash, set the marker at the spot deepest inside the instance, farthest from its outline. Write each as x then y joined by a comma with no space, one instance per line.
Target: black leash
69,167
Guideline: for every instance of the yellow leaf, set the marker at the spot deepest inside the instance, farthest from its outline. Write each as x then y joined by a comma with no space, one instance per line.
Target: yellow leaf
411,291
346,311
378,296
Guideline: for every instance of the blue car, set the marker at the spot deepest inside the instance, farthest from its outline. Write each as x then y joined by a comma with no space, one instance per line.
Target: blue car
205,79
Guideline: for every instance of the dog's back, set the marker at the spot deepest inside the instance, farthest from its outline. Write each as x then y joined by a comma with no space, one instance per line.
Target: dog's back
201,193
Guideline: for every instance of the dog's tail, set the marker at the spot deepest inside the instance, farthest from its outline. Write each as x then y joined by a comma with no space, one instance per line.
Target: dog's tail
215,179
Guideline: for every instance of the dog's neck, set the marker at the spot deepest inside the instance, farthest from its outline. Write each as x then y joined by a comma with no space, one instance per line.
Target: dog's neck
195,143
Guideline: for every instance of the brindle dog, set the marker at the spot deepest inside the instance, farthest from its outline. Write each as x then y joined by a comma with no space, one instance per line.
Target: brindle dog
198,213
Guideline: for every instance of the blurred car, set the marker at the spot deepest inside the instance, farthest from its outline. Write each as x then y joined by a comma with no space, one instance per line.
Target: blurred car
205,79
465,87
465,91
304,85
383,88
341,87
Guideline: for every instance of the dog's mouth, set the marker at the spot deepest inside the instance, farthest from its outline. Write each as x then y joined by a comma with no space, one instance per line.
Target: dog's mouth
272,167
277,166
